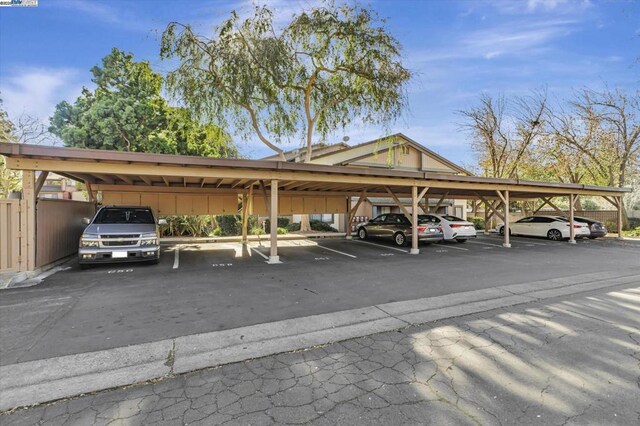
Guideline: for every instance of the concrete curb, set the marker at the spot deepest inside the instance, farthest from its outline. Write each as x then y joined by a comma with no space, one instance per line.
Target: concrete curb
50,379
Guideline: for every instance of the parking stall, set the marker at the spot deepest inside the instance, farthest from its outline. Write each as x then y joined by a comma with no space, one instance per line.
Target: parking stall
172,184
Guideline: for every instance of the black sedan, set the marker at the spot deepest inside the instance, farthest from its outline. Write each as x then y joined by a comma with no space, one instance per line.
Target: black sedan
398,228
597,228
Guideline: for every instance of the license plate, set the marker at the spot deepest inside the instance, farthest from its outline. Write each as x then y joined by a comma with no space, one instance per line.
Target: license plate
119,254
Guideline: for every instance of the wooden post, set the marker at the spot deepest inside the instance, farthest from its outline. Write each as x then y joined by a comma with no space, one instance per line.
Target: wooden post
245,217
505,202
28,222
486,218
572,231
273,211
619,203
414,221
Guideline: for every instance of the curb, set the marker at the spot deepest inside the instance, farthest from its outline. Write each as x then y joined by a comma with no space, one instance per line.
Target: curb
45,380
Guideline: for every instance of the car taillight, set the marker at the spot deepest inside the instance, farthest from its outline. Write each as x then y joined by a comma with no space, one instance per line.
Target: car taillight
422,228
575,226
456,226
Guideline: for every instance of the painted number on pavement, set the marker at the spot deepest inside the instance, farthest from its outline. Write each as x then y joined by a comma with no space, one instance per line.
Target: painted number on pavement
322,258
222,265
386,254
119,271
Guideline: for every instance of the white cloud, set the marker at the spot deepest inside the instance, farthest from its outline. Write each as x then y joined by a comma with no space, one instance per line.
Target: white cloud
107,13
36,91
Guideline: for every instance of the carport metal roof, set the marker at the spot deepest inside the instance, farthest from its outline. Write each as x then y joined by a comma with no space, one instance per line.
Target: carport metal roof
126,171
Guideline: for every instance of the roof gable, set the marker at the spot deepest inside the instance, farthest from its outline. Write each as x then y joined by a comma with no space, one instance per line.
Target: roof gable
394,152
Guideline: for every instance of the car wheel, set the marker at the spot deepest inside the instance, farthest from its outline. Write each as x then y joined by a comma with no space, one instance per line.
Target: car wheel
591,238
461,240
362,234
554,235
399,239
502,230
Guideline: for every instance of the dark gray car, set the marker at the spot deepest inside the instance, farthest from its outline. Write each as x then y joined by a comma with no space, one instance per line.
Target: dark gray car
397,227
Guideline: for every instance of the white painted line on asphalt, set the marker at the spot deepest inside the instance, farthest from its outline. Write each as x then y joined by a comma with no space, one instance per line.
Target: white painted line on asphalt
456,248
337,251
486,244
261,254
380,245
176,257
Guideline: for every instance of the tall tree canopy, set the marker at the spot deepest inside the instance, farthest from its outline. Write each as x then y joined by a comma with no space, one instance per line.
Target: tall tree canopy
126,112
325,68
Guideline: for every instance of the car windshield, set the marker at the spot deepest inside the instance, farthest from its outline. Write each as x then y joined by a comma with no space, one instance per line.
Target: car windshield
452,218
124,215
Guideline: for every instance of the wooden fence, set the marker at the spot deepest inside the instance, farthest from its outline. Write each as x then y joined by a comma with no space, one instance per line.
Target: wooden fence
9,235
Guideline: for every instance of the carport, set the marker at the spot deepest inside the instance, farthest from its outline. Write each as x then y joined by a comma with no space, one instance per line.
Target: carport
173,184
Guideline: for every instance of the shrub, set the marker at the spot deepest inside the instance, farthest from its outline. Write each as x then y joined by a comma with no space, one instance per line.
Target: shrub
282,231
230,224
632,233
318,225
283,222
293,227
188,226
216,232
257,231
612,226
478,222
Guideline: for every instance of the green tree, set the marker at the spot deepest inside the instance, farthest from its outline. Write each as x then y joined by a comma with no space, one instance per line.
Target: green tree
9,179
126,112
327,67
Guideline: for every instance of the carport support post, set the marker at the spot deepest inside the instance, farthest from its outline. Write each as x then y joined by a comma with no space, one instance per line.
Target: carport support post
572,231
273,255
28,222
505,203
486,218
414,221
619,205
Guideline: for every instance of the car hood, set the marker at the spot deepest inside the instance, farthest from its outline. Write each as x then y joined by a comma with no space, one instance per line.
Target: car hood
120,228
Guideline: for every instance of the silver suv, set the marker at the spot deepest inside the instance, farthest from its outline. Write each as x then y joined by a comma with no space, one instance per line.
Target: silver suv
120,234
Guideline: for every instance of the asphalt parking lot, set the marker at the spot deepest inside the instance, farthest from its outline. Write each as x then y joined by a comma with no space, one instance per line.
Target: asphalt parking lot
210,287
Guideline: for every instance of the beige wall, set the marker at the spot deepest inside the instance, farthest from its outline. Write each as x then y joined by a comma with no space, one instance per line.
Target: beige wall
59,226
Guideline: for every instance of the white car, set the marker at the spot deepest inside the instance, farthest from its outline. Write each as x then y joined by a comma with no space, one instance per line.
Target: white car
554,228
453,228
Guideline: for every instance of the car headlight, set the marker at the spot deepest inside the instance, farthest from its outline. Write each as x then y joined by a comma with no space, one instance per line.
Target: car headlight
150,239
89,240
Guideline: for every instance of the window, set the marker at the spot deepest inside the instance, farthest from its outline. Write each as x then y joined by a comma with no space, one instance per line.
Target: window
427,218
124,215
451,218
526,220
379,219
542,220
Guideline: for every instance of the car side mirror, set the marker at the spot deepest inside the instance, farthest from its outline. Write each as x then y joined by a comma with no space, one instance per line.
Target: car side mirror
86,220
162,222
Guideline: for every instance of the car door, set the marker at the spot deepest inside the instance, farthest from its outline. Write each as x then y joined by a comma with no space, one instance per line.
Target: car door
522,226
540,226
391,225
374,229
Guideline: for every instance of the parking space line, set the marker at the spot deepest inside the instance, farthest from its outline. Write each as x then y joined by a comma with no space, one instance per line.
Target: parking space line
260,253
176,257
455,248
337,251
381,245
486,244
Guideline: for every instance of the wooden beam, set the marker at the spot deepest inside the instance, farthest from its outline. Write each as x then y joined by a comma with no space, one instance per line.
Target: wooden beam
354,209
146,180
612,201
439,203
125,179
166,181
104,178
92,195
619,216
414,219
290,173
40,182
397,201
491,206
554,207
219,183
273,213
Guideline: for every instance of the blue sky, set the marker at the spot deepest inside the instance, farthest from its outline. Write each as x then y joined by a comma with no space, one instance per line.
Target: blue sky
458,50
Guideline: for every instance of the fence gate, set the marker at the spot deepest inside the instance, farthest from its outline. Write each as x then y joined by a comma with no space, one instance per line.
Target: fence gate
9,235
